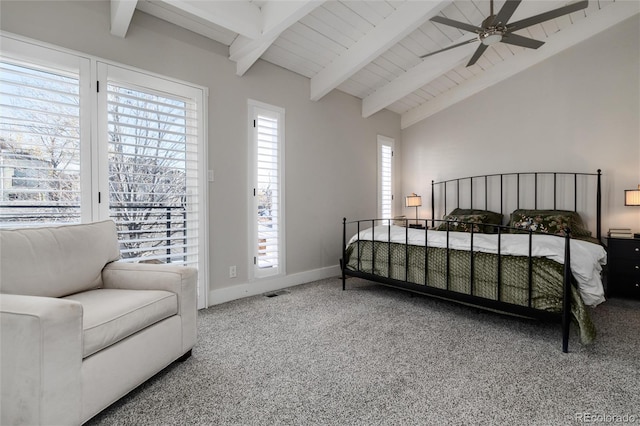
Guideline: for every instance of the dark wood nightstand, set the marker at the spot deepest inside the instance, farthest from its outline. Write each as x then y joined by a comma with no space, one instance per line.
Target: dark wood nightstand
623,278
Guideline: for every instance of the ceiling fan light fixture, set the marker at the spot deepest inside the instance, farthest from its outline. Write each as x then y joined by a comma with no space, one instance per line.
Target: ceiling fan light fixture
490,37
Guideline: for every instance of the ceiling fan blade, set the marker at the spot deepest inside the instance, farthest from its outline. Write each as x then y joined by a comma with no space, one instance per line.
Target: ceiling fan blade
456,24
524,23
449,48
479,51
506,12
518,40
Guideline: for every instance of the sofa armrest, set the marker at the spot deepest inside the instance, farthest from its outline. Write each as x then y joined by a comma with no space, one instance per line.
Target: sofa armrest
41,360
180,280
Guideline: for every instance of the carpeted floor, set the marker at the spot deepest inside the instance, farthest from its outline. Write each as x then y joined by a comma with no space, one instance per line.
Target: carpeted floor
377,356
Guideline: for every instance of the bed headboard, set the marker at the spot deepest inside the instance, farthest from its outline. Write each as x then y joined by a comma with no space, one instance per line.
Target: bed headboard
505,192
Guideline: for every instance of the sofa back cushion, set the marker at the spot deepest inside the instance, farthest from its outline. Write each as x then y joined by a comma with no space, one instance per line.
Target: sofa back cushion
56,261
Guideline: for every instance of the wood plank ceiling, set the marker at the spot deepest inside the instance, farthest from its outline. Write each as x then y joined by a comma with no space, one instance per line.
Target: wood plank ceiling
372,49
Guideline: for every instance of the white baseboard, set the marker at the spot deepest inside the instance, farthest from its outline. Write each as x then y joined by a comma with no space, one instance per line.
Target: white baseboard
226,294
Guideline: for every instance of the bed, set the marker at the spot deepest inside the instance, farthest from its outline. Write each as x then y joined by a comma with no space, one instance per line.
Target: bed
516,243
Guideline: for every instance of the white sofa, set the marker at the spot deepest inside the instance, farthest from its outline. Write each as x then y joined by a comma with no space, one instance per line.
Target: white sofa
79,330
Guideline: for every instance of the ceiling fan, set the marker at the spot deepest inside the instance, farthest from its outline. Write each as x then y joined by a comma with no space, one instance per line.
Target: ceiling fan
496,28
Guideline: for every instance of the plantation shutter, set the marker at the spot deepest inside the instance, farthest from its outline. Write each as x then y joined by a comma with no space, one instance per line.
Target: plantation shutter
39,146
267,192
385,177
153,169
267,151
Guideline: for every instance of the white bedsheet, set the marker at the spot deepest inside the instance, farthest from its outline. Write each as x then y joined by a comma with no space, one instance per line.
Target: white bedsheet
587,258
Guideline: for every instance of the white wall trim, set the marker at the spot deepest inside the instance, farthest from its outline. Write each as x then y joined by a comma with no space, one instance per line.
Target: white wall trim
256,287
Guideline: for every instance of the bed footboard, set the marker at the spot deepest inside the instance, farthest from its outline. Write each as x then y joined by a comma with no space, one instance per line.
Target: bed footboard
462,276
447,282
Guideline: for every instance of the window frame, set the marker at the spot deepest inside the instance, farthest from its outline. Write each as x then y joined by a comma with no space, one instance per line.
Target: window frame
384,141
35,54
253,109
129,76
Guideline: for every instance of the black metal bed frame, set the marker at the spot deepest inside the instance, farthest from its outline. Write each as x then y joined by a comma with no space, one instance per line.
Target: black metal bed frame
496,304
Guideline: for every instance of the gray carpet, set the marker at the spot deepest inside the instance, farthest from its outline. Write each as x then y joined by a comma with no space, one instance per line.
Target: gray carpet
377,356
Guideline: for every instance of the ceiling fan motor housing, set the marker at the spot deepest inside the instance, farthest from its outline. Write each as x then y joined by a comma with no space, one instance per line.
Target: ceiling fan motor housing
491,35
493,31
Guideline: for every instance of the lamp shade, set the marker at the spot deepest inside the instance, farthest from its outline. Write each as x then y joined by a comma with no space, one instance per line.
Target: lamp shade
632,197
413,200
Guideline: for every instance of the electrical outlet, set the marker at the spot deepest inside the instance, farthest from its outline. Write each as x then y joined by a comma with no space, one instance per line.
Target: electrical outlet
232,271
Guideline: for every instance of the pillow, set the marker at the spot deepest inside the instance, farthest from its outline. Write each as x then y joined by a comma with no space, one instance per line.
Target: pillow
549,224
493,218
457,223
400,220
549,221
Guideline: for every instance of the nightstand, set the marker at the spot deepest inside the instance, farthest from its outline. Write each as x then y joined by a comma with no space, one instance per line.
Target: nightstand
624,267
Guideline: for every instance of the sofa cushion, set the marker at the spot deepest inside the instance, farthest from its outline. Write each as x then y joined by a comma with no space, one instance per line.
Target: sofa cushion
110,315
56,261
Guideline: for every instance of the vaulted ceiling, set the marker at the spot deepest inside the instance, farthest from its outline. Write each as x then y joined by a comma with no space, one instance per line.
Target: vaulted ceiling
372,49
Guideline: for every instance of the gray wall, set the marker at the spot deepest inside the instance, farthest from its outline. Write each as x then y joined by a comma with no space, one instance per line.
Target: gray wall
576,111
330,149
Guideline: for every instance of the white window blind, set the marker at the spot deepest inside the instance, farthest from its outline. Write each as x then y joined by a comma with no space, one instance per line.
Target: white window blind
39,146
385,177
267,192
153,173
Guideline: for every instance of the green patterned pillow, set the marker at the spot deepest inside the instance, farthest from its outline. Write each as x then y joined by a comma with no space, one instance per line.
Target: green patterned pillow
492,218
463,223
549,224
569,218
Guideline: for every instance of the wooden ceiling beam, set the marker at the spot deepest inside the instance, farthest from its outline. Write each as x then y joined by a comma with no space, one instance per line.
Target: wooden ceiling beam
382,37
276,17
241,17
416,77
121,15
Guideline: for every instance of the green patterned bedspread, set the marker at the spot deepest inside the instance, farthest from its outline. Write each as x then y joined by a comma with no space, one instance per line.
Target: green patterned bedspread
547,276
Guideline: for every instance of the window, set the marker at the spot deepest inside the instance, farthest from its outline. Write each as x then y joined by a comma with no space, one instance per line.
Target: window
267,180
39,144
82,140
152,155
385,177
